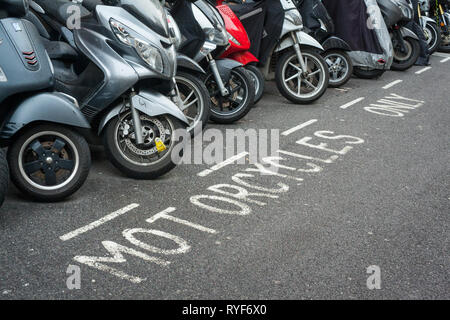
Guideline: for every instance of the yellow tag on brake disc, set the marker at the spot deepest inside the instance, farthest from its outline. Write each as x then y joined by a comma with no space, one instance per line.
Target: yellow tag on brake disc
160,146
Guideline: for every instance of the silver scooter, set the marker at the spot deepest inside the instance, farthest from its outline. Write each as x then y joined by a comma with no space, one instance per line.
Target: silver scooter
122,71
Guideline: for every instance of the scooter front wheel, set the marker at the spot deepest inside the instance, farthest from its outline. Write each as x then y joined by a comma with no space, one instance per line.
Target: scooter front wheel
299,86
340,66
49,163
238,102
404,60
433,36
152,158
259,81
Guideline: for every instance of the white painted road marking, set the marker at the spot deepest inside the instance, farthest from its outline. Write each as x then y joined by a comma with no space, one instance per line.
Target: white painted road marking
345,106
393,83
445,60
423,70
99,222
440,54
299,127
225,163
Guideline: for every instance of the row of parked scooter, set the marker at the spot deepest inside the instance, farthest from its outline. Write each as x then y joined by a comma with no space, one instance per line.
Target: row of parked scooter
130,74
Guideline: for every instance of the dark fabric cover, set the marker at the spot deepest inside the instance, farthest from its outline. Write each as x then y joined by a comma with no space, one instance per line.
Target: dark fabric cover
91,4
312,11
266,13
192,33
350,18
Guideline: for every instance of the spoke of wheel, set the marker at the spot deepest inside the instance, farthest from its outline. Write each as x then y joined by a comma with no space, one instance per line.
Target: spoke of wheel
299,85
50,178
314,73
32,167
338,60
58,145
190,118
66,164
37,147
329,62
293,77
309,84
335,75
190,104
188,97
295,67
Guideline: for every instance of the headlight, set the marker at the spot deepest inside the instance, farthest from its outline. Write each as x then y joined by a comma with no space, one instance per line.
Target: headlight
295,17
150,54
233,39
216,36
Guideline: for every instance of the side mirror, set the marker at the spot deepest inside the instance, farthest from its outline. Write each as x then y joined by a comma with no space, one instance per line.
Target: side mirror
15,8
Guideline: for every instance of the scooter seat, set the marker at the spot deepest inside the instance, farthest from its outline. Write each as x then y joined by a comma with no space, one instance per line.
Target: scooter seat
60,11
59,50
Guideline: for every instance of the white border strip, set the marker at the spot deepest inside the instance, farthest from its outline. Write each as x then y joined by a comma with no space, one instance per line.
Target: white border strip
345,106
299,127
99,222
393,83
423,70
225,163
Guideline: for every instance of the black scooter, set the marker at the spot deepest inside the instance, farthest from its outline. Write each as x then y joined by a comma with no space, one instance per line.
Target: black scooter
319,24
48,157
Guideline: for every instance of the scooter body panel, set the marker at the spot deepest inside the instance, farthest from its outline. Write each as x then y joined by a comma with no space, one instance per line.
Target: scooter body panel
244,57
44,107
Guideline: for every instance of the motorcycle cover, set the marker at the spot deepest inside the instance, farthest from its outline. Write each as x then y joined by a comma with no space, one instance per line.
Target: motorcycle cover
263,21
361,25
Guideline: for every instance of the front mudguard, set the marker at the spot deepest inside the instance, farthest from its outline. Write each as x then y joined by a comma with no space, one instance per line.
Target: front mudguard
184,62
225,66
334,42
303,38
44,107
150,103
406,33
424,20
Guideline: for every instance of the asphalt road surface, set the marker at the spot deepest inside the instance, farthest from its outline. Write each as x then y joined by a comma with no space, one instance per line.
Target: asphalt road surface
376,196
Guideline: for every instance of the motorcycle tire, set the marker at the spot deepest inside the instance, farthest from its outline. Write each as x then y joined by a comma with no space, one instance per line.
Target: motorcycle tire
340,67
445,43
136,161
433,34
44,154
367,73
4,176
243,94
194,92
412,56
259,81
285,77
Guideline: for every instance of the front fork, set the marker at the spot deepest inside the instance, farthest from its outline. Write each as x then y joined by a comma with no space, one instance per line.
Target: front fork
136,120
212,64
298,52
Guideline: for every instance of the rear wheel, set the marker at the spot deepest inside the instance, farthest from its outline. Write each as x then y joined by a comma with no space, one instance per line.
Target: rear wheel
368,73
149,160
259,81
49,163
238,102
340,67
297,86
4,176
445,43
405,58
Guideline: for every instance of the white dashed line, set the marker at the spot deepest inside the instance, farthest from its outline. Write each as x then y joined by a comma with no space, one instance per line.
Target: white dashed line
423,70
440,54
393,83
99,222
445,60
299,127
225,163
345,106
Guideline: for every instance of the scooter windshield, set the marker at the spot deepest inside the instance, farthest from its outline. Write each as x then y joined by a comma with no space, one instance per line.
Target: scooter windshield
150,12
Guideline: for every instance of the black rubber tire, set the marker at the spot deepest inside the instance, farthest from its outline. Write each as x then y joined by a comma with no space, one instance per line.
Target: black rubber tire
4,176
368,73
204,94
40,195
279,77
130,169
349,62
435,33
258,76
246,106
402,66
444,48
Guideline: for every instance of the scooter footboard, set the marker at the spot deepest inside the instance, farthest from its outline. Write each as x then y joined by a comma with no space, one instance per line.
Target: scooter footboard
45,107
151,103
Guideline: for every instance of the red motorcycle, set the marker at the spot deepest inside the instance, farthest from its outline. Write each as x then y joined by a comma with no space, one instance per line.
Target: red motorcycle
239,49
